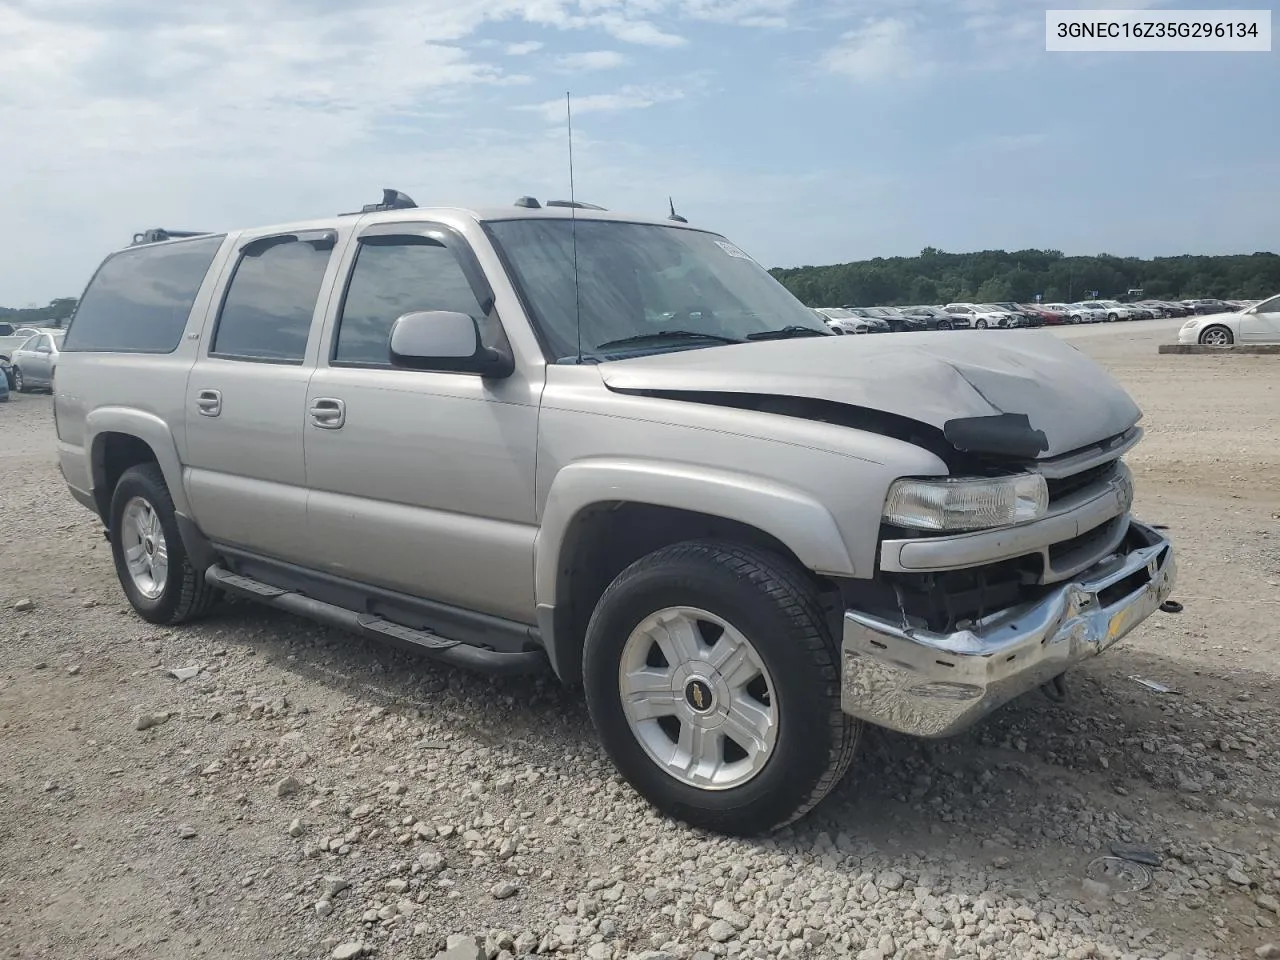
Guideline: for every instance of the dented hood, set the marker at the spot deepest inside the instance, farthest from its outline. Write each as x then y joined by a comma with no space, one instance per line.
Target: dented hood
940,379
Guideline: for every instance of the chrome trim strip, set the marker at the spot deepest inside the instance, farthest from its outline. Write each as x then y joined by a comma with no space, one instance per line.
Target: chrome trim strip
1072,463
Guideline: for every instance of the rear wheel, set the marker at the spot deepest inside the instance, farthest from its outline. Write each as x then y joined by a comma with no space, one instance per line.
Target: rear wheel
714,684
150,557
1217,336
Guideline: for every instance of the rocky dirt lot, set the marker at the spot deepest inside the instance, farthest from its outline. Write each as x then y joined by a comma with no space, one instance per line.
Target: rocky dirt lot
259,787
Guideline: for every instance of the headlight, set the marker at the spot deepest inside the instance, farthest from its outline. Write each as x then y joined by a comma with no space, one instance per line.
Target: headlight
966,504
1191,324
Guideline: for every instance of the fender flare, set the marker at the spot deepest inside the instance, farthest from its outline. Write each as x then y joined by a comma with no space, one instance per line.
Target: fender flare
148,428
792,517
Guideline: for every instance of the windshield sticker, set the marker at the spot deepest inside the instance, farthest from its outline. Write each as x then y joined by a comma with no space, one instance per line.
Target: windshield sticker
731,250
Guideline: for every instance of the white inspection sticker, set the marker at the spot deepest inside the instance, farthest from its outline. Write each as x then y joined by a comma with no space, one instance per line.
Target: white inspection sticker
731,250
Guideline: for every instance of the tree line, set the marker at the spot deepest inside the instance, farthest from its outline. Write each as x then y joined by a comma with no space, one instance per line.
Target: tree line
992,276
54,313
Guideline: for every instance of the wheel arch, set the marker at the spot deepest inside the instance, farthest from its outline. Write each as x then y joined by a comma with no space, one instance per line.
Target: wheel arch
118,438
602,516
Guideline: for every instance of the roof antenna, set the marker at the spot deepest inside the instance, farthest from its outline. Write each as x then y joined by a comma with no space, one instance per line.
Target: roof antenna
675,216
573,228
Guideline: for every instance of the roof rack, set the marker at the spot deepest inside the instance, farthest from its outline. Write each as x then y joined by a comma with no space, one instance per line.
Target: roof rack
391,200
577,204
159,234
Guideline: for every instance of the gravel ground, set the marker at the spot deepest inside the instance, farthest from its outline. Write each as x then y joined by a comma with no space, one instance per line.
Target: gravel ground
296,792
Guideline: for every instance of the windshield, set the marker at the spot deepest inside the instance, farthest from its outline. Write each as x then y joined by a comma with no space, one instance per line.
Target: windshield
837,313
639,280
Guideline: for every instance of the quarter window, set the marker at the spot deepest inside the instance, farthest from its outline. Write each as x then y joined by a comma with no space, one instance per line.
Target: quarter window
392,276
267,312
140,298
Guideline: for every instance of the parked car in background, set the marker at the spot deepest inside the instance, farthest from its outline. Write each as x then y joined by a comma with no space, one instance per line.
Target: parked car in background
1026,318
11,338
982,316
1257,324
939,318
1089,314
901,322
879,324
1046,315
34,361
844,321
1210,306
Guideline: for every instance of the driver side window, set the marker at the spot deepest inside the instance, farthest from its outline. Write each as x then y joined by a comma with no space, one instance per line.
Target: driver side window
392,276
1268,306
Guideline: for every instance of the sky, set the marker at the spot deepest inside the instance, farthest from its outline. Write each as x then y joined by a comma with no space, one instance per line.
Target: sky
808,131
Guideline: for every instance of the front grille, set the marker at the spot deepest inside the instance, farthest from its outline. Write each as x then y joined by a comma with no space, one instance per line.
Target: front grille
1063,487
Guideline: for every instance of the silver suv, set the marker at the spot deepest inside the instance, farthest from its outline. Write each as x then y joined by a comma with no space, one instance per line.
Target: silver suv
552,435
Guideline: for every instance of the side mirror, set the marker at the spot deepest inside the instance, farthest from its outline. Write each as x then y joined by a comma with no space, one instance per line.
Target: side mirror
445,341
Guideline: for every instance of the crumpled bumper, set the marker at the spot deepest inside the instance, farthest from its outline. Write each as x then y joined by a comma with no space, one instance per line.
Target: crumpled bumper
935,685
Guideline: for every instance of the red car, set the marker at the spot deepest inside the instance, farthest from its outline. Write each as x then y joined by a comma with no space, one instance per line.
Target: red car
1050,317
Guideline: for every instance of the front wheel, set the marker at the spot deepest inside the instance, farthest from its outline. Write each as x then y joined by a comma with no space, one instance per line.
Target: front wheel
944,324
151,559
1217,336
714,684
980,324
19,382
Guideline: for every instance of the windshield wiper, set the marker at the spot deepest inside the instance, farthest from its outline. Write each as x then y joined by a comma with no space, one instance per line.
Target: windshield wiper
787,333
667,335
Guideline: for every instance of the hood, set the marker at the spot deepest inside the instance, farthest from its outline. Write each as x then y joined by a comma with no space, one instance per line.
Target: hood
983,395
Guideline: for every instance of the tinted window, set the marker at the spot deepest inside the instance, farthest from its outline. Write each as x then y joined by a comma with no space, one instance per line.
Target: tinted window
6,329
267,312
30,343
393,276
139,299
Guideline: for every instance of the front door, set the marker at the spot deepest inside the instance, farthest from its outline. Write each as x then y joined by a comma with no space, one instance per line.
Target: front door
1263,324
247,392
421,482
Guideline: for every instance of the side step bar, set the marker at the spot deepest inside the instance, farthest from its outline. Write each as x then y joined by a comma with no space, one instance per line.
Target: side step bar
375,627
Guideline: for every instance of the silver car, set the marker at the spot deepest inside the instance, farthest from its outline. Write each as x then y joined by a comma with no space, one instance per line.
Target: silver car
33,362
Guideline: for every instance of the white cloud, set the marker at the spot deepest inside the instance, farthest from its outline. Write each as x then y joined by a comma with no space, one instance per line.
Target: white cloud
522,49
591,60
879,50
628,98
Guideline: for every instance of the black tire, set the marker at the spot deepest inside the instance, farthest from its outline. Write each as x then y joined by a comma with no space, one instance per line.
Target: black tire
1112,318
944,324
19,382
1218,329
980,324
776,607
186,594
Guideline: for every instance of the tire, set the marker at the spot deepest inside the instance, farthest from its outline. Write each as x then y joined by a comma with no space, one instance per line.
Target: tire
838,331
1217,336
980,324
142,516
944,324
772,606
19,382
1112,318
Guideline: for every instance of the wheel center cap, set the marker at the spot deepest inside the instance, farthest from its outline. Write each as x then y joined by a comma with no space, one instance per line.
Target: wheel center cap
699,695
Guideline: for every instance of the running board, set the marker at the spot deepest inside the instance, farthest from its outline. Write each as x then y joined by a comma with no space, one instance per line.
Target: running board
369,625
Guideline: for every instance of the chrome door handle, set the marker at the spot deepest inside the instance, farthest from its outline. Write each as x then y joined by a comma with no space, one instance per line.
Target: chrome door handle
209,402
328,413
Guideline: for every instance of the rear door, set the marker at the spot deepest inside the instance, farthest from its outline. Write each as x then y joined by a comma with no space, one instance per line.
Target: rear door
37,366
246,394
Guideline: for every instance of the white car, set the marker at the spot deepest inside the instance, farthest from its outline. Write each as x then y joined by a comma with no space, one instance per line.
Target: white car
844,321
1087,313
983,315
1257,324
32,363
1112,310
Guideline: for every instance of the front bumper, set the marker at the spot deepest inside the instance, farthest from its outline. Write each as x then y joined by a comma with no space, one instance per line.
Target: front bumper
935,685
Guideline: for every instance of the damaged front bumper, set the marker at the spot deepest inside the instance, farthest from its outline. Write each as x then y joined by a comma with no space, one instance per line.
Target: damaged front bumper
935,685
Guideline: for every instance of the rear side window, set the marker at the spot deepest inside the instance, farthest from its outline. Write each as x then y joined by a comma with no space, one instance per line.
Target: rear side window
266,314
139,299
395,275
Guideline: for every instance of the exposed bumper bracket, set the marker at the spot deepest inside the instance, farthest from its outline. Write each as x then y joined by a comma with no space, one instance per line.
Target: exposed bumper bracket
935,685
